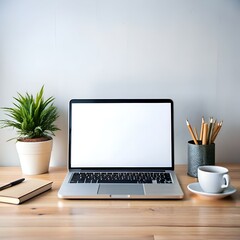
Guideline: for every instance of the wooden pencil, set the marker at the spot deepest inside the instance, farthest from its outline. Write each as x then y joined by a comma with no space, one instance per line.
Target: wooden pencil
201,130
205,134
216,131
191,132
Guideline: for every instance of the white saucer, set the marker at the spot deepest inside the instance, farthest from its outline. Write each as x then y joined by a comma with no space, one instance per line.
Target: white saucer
195,188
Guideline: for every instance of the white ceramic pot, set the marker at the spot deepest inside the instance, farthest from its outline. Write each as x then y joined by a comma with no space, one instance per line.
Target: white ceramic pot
34,156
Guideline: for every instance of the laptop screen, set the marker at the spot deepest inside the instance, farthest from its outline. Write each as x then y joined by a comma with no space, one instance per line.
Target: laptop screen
127,133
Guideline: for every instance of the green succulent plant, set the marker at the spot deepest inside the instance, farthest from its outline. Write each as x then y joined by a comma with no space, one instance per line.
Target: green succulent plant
32,117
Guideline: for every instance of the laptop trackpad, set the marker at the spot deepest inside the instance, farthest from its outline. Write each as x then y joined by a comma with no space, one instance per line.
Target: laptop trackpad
121,189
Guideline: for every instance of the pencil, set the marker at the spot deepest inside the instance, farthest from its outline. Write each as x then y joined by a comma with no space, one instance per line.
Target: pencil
210,131
205,133
216,131
215,126
196,133
191,132
201,131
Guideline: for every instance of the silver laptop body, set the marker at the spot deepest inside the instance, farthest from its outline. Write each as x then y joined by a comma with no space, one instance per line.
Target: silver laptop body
121,149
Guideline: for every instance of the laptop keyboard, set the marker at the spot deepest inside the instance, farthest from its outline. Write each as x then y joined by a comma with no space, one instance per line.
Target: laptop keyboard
122,177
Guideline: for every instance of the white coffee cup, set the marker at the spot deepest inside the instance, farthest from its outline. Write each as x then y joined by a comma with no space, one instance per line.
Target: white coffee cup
213,179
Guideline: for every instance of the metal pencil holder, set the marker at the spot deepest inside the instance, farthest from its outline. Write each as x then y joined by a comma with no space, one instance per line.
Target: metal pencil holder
199,155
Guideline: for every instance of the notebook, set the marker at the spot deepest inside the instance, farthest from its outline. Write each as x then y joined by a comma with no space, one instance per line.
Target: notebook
24,191
121,149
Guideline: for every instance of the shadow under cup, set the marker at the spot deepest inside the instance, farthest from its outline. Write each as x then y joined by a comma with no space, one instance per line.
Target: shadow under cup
199,155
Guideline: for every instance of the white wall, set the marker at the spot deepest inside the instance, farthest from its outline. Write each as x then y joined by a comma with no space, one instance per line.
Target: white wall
187,50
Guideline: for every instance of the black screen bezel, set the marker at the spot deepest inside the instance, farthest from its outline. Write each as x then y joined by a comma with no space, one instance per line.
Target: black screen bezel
79,101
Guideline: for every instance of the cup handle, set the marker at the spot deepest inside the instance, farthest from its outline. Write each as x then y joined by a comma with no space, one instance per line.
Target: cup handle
226,180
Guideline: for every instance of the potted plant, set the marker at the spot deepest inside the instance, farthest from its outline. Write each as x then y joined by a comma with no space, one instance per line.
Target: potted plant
34,120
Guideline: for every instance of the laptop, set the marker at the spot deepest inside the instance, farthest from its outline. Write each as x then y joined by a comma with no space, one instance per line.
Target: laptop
121,149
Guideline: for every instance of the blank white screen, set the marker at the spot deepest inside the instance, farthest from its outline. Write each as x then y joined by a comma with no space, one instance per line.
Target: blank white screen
121,135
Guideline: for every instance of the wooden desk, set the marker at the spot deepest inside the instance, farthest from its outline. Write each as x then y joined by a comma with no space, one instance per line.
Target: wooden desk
47,217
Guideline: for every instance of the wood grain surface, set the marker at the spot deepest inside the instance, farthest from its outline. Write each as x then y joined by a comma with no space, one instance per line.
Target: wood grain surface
48,217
